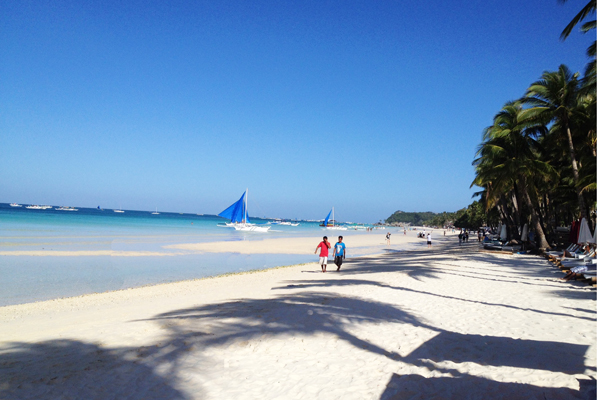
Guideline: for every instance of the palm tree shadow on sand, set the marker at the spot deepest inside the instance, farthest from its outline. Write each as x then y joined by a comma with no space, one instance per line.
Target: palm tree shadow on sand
467,387
310,313
307,313
70,369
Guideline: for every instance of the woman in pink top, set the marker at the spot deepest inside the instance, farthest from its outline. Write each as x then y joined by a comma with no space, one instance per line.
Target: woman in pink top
323,254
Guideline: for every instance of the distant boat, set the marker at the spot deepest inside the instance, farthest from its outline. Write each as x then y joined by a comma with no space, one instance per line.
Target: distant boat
119,210
288,223
156,212
67,209
239,217
35,207
333,222
15,205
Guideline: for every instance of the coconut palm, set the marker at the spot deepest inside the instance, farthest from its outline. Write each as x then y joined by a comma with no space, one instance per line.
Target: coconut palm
587,10
555,98
508,159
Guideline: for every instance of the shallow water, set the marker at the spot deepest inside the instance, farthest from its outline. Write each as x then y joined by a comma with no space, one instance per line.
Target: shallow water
33,278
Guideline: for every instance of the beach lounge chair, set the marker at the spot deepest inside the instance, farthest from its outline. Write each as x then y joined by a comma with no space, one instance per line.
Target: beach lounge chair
579,251
570,263
586,271
584,255
569,249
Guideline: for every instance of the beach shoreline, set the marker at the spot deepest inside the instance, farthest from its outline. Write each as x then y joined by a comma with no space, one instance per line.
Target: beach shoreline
49,273
444,320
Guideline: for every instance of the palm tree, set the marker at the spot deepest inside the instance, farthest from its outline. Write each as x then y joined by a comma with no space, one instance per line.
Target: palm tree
555,98
587,10
508,159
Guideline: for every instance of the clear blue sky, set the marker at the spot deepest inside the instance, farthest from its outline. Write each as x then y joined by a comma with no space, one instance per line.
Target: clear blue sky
368,106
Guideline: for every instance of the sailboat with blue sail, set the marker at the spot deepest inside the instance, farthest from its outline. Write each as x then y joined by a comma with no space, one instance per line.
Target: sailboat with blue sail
239,216
332,225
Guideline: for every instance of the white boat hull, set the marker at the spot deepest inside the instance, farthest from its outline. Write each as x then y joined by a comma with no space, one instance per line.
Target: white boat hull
248,227
337,228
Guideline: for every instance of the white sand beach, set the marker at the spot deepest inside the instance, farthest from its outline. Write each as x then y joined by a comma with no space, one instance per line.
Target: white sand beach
443,323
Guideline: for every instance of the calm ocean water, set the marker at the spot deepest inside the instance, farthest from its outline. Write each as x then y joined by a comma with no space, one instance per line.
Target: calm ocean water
29,278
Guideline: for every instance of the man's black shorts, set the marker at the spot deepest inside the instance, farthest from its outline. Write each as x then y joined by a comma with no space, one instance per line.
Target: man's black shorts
338,260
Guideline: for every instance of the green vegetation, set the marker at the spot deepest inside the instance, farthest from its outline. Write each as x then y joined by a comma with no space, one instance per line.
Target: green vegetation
536,163
472,217
413,218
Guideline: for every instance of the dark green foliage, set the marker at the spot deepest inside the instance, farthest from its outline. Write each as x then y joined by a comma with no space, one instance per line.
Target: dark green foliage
427,218
414,218
474,217
537,161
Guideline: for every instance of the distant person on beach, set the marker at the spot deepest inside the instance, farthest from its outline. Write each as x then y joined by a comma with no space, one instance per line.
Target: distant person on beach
388,238
339,252
460,238
323,253
428,240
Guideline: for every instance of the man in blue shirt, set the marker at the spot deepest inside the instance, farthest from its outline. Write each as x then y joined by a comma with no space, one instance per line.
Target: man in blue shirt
339,252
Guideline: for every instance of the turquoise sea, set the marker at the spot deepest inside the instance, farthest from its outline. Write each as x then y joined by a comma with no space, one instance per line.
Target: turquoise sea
26,279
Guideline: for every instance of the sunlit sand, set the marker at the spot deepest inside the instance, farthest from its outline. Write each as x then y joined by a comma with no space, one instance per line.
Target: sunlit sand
446,322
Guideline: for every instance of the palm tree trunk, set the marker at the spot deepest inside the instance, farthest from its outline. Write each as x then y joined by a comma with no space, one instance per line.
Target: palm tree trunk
581,200
534,217
508,219
515,206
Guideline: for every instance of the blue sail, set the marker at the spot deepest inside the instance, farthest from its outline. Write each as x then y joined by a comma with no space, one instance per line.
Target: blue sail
236,212
325,223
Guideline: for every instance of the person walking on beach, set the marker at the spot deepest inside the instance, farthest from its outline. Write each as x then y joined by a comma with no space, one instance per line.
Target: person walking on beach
388,238
323,253
429,240
339,252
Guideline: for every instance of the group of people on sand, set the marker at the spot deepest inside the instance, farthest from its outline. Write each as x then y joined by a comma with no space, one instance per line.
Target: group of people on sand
463,236
339,253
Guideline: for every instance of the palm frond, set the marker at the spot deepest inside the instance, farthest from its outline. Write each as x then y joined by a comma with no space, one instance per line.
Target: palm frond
586,10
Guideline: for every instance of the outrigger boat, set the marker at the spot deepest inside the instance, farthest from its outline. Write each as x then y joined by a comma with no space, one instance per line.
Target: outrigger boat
333,224
239,217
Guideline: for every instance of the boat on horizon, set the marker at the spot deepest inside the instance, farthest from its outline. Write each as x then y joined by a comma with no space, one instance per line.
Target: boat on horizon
333,226
156,212
278,221
63,208
15,205
239,217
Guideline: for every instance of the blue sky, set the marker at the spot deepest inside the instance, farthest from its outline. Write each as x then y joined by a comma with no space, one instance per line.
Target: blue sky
368,106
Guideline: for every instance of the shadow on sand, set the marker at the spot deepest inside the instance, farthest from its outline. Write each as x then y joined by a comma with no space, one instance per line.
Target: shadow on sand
466,387
44,368
69,369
